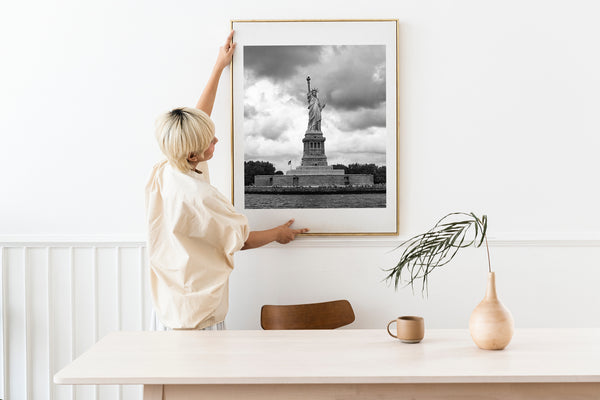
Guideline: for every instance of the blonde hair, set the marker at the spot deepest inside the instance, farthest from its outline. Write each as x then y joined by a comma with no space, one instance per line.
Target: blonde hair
182,131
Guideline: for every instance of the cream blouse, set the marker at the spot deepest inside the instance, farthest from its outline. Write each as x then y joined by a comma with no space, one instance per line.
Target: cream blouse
193,231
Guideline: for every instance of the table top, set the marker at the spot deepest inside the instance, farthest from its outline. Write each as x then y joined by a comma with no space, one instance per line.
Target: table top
333,356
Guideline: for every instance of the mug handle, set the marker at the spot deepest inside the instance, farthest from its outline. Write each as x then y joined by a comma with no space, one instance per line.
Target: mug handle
388,329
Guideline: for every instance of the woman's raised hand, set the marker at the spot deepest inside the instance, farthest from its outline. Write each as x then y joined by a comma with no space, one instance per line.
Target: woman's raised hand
226,52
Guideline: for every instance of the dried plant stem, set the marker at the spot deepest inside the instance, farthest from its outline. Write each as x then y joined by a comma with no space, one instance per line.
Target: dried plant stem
488,254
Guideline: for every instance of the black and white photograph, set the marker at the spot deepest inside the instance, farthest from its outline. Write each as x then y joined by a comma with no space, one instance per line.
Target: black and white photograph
314,126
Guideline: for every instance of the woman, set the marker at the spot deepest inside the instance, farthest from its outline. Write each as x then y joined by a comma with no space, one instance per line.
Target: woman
193,230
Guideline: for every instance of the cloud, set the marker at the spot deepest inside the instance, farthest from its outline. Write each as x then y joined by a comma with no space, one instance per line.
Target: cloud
267,150
270,128
250,111
278,62
355,79
276,152
348,77
272,113
371,140
361,119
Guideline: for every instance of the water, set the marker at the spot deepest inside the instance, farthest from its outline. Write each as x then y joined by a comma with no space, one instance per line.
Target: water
309,200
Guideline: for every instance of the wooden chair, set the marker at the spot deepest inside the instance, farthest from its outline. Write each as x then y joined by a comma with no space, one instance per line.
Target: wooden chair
328,315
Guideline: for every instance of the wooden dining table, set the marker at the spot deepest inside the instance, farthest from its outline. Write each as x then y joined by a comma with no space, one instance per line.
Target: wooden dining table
342,364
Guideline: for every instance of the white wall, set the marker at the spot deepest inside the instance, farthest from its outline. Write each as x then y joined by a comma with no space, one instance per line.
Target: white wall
498,115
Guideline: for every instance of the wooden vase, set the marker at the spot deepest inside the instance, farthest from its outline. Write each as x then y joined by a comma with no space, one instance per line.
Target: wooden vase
491,324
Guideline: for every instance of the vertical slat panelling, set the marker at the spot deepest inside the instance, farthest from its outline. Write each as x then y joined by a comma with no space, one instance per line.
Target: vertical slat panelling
129,290
38,322
72,308
50,314
95,302
107,304
60,286
144,300
2,324
119,297
95,292
56,302
26,321
15,349
142,288
132,302
118,302
83,280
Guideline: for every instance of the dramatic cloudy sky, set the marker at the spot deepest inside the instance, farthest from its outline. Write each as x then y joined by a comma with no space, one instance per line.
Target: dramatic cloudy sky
351,81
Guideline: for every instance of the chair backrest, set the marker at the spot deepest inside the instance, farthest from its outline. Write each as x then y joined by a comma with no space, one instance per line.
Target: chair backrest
328,315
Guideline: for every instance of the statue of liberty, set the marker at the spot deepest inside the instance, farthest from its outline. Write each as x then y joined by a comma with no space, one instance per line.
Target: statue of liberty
314,108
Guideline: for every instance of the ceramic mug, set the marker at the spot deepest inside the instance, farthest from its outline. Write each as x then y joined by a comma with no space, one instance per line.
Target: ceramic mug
409,329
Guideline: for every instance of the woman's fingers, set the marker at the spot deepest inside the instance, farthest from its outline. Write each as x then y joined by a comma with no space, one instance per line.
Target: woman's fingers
289,223
229,40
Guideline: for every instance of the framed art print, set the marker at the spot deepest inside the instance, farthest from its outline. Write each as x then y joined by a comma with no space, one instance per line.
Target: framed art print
315,125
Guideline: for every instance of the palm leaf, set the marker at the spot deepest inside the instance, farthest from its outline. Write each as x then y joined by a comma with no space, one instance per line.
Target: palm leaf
437,247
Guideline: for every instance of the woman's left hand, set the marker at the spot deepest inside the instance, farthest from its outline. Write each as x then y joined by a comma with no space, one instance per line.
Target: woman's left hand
285,234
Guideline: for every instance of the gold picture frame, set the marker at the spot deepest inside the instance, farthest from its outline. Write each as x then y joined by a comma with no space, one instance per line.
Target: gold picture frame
317,194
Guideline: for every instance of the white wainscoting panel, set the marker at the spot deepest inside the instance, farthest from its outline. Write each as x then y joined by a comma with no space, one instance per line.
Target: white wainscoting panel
58,300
